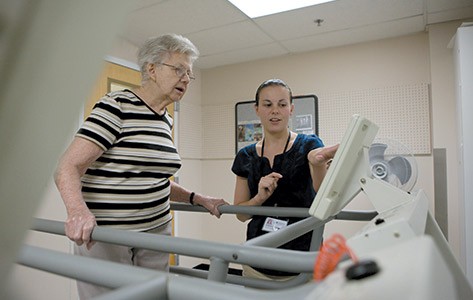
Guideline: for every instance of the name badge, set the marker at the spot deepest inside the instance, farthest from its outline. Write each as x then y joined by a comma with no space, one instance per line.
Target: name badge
272,224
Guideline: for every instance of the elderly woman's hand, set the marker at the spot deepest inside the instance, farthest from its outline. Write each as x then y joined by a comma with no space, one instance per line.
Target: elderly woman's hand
210,203
79,226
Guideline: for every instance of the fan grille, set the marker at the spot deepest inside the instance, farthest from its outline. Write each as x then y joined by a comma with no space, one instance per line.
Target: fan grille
392,162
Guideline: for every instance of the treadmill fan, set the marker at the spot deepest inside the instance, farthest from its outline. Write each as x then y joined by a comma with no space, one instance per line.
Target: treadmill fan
392,162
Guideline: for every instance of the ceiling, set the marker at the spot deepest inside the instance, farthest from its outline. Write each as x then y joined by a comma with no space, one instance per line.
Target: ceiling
225,35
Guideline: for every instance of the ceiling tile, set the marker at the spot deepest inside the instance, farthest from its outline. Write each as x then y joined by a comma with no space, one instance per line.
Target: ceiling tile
356,35
179,16
337,15
450,14
229,38
434,6
243,55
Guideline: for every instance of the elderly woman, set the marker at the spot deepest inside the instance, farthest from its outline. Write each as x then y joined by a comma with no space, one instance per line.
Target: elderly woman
116,172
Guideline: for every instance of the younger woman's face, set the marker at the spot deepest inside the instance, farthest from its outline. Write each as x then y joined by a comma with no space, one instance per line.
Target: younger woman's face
274,108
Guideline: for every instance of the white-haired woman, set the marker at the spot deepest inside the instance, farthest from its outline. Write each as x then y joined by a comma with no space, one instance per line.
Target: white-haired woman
116,172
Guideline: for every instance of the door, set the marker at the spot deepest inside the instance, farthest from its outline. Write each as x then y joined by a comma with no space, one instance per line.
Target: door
113,77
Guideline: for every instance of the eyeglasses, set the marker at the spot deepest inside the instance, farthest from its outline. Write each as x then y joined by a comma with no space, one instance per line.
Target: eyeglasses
180,72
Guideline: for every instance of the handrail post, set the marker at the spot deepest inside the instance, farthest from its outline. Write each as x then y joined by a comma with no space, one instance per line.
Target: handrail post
218,269
317,238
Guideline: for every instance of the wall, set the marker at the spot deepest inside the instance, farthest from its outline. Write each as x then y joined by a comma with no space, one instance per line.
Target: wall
383,63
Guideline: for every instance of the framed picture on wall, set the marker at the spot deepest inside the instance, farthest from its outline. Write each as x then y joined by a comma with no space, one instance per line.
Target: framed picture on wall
248,129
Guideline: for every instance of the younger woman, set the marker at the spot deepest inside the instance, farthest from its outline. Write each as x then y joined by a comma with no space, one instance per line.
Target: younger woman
284,169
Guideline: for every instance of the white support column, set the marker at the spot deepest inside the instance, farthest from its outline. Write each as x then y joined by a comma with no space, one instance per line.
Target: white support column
463,49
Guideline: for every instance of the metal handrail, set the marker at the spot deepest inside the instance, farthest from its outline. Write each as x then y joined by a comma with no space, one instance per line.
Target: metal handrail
227,252
131,281
299,212
288,260
250,253
258,252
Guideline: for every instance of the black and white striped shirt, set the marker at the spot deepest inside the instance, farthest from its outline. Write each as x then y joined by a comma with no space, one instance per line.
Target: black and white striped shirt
128,186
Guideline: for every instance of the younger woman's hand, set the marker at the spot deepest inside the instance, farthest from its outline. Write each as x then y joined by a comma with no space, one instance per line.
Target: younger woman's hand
322,157
267,185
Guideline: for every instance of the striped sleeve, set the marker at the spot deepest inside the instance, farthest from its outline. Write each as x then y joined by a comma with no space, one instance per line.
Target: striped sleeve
104,124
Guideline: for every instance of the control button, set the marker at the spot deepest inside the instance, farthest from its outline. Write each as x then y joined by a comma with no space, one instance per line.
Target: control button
379,221
362,269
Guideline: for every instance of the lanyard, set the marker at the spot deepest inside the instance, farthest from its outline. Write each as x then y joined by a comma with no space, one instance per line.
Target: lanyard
262,151
282,160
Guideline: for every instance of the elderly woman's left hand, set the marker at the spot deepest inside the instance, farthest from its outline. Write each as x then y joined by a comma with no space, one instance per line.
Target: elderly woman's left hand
210,203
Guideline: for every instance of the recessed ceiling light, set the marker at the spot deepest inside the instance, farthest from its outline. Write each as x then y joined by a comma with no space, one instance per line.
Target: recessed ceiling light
258,8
